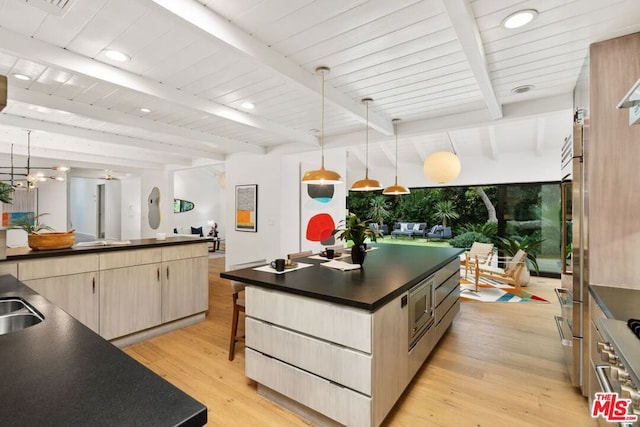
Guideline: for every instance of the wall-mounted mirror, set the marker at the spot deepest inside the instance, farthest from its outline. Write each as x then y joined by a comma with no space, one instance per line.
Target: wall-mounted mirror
180,205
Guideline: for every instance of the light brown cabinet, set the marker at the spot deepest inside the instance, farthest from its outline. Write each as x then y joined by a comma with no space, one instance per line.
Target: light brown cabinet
120,293
69,282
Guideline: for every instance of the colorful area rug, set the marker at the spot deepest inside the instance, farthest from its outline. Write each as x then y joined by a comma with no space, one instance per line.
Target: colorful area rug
492,291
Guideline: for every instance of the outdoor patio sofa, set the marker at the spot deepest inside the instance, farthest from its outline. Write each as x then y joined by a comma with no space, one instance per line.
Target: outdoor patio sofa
411,229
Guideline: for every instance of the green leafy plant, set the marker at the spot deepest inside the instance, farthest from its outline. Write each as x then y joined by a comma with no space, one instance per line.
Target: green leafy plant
465,240
354,229
379,208
488,229
6,193
530,244
31,224
445,212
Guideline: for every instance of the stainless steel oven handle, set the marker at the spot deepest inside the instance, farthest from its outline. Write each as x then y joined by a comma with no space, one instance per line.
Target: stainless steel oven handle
563,339
603,379
565,296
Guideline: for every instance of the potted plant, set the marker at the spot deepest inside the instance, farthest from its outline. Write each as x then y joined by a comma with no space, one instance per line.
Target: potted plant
356,230
49,240
529,244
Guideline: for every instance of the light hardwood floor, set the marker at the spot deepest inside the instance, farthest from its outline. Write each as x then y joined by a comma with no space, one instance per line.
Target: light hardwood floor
500,364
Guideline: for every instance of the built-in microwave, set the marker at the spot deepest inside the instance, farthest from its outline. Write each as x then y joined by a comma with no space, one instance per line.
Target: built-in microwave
421,310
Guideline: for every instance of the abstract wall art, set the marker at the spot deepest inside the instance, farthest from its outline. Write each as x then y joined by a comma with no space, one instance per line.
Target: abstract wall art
247,207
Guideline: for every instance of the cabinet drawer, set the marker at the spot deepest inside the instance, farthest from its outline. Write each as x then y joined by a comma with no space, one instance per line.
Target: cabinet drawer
336,363
446,321
339,403
445,305
57,266
9,268
346,326
445,289
172,253
120,259
447,271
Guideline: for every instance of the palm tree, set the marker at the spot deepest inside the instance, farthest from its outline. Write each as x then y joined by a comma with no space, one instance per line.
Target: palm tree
445,212
379,208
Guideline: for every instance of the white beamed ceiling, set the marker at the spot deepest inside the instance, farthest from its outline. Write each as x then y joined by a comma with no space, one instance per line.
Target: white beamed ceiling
442,66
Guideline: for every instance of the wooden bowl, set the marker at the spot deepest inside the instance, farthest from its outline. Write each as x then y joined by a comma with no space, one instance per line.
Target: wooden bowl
51,240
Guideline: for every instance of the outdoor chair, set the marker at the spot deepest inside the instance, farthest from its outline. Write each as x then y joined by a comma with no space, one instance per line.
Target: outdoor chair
510,274
480,253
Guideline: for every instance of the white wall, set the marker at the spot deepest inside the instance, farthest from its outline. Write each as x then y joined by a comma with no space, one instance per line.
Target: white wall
164,181
131,210
83,196
278,180
113,210
202,187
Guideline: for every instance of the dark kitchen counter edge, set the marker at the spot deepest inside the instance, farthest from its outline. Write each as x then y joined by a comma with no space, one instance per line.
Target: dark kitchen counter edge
14,254
343,301
617,303
77,364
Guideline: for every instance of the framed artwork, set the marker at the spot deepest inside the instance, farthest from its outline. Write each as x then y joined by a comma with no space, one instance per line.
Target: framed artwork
247,208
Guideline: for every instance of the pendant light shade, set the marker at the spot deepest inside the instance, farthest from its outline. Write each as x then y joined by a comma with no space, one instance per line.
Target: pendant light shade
322,176
442,166
395,189
366,184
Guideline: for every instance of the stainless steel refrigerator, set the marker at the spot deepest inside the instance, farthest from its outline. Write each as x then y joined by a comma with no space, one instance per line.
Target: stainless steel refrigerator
574,294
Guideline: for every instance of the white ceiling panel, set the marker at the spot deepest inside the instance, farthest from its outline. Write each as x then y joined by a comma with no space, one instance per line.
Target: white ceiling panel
195,66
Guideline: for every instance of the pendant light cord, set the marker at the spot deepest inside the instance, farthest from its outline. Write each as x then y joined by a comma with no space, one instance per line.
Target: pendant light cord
395,130
451,143
366,155
322,123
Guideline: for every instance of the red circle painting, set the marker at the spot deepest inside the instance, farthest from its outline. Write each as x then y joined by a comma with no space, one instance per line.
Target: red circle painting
319,227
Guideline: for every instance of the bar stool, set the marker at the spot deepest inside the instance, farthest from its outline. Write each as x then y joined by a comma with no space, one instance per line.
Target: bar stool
238,305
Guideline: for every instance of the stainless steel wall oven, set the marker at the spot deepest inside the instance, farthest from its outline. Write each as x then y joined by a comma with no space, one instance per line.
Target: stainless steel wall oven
421,309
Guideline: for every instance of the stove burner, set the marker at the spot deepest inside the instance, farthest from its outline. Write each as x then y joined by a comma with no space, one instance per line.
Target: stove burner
634,325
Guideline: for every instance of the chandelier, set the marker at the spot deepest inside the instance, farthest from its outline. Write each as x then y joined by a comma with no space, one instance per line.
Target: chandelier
29,176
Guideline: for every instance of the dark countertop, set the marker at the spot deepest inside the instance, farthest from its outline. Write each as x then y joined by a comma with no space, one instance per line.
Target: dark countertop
387,272
24,252
617,303
60,373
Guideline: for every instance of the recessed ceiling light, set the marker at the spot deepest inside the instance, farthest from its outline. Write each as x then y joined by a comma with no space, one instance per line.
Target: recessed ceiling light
522,89
145,109
21,76
116,55
248,105
519,18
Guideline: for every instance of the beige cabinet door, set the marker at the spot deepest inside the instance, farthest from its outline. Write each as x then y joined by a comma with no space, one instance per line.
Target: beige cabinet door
185,288
130,299
77,294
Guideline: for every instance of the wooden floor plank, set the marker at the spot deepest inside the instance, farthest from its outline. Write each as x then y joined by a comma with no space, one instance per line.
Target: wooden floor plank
500,364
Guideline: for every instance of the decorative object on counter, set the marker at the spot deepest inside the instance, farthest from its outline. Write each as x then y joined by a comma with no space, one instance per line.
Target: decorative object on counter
357,231
42,237
154,208
247,208
395,189
321,176
442,166
366,184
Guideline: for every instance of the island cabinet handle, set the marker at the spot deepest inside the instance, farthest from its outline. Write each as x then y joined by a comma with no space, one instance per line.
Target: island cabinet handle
93,285
167,273
158,273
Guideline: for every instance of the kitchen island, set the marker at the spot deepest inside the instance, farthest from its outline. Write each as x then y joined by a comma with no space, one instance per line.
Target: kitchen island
60,373
336,346
124,292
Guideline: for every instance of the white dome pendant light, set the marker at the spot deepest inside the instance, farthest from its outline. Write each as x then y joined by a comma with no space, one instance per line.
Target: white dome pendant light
442,166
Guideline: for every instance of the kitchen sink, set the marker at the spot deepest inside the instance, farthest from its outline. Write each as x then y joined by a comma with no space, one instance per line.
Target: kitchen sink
16,314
